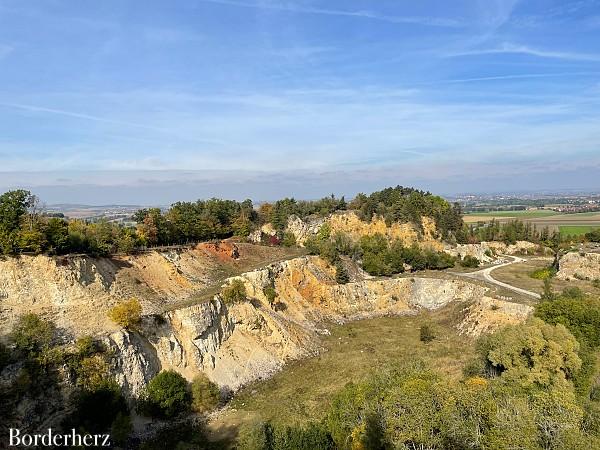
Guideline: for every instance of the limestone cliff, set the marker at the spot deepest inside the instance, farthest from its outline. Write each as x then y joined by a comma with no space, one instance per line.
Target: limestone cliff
584,266
487,251
232,344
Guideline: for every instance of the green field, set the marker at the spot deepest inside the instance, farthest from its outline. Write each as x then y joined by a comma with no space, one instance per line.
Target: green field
532,214
576,230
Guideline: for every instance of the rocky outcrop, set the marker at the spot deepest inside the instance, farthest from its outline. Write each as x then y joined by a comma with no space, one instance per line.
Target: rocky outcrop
488,251
584,266
240,343
133,363
487,315
303,229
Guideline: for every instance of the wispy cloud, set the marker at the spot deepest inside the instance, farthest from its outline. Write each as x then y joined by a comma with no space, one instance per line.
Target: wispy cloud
77,115
525,50
361,14
514,77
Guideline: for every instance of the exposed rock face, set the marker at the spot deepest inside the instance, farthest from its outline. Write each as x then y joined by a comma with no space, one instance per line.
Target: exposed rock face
303,229
349,223
487,251
576,265
487,315
232,344
77,291
134,363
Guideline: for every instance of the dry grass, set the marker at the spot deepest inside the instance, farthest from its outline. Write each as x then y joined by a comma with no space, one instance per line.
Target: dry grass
304,389
519,275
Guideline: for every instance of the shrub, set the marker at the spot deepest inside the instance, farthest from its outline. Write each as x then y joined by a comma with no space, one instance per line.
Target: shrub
32,334
234,293
469,261
127,314
91,372
426,333
341,273
596,283
97,409
258,436
271,294
166,396
289,239
573,293
121,428
374,264
533,354
205,394
543,273
86,346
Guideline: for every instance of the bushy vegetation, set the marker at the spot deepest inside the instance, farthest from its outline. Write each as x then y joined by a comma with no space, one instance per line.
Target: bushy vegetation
127,314
469,262
43,367
376,254
508,232
235,292
166,396
543,273
404,204
530,386
205,394
410,406
593,236
266,436
580,314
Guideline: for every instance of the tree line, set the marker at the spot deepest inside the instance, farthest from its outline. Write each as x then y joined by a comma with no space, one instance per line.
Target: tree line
24,227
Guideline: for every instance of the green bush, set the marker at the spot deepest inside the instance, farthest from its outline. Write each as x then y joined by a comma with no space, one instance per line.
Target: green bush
469,261
31,334
127,314
166,396
543,273
234,293
271,294
265,436
97,409
289,240
205,394
341,273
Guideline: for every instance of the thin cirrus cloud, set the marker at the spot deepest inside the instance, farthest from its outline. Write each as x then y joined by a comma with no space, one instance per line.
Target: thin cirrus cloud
361,14
93,118
508,48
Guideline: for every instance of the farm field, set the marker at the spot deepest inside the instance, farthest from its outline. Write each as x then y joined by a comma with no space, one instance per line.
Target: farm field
515,214
576,230
567,224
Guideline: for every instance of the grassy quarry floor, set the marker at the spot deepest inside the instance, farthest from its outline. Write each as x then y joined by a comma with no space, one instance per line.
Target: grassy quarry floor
302,391
519,275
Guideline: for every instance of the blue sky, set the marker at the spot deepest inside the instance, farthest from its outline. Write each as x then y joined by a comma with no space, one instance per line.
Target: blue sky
152,101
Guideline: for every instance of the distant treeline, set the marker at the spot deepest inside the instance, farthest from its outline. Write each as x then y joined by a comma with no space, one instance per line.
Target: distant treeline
509,232
24,228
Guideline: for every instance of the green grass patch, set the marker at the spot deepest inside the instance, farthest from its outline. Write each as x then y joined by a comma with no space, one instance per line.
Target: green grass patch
576,230
303,390
543,273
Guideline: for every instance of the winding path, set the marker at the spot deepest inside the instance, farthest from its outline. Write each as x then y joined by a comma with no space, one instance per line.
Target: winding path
485,275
